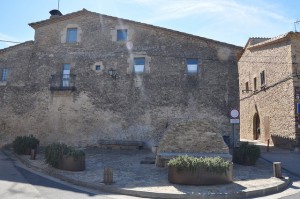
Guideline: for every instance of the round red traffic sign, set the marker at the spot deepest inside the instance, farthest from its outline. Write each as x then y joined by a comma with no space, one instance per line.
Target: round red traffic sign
234,113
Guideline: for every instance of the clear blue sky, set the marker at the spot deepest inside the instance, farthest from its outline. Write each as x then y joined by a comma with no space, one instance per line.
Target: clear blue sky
230,21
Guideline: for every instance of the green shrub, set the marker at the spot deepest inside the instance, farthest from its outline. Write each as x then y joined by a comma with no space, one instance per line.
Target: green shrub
75,153
54,153
246,154
23,144
212,164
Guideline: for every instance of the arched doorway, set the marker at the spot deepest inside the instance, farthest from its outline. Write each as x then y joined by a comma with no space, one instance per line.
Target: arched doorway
256,127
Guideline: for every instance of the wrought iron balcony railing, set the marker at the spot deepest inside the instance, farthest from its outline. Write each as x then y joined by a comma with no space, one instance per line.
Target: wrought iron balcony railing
63,82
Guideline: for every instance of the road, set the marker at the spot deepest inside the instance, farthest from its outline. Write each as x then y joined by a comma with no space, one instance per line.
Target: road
20,183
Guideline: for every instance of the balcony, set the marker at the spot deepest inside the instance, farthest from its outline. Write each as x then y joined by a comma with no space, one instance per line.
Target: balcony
63,82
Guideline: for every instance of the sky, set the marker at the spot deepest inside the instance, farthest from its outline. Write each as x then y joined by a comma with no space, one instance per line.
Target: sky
229,21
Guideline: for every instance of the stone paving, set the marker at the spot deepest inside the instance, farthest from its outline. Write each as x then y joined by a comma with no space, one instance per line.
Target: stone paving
133,178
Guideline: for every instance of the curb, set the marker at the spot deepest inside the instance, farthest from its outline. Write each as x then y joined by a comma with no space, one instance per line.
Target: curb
113,189
282,167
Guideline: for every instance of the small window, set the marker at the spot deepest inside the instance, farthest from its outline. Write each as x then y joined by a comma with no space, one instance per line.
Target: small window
122,35
254,84
139,65
192,66
4,74
71,35
262,78
98,67
247,86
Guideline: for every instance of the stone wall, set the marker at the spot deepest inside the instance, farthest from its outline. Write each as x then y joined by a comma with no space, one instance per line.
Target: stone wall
274,103
196,137
132,107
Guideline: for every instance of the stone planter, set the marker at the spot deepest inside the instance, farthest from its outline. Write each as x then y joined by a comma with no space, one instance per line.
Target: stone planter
71,164
199,177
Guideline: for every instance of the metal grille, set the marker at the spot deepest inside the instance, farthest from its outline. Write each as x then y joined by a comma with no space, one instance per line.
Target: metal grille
63,82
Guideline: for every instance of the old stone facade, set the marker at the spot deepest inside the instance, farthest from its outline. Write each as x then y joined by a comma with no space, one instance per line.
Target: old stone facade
88,77
268,79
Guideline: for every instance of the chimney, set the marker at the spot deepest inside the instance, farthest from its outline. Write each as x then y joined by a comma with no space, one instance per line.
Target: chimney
55,13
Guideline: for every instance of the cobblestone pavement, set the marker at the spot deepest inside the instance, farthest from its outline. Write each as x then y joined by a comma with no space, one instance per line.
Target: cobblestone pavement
133,178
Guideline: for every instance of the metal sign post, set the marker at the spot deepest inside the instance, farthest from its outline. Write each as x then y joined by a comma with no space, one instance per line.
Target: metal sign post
234,114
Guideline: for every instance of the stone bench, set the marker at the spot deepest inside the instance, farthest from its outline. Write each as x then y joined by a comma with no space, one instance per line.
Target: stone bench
120,144
163,158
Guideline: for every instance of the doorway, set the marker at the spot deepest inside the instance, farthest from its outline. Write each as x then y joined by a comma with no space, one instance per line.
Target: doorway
256,127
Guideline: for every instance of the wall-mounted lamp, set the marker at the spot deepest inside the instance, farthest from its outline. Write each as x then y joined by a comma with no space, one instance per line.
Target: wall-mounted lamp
113,73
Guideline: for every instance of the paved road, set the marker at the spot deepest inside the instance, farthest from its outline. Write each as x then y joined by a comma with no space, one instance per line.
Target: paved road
19,183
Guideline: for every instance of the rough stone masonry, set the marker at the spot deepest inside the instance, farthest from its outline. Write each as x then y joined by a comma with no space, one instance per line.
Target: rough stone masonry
132,106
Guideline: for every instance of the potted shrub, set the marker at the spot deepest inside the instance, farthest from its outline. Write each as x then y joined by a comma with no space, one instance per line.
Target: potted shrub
73,160
65,157
199,171
24,144
246,154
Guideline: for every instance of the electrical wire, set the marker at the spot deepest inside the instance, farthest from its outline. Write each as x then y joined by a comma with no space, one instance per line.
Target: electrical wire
16,42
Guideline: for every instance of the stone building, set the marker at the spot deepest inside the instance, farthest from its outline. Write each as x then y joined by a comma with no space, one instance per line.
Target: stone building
269,89
88,77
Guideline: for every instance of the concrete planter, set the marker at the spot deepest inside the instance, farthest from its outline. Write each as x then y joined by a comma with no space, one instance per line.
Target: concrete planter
69,163
199,177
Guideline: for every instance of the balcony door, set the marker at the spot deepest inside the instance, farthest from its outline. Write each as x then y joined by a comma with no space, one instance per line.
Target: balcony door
66,75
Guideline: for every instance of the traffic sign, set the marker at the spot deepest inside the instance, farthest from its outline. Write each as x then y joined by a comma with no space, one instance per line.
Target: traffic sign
234,113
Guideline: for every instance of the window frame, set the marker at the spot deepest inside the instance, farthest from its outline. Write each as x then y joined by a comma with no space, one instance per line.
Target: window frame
262,78
247,86
134,65
66,75
98,67
4,75
121,36
69,36
188,63
255,84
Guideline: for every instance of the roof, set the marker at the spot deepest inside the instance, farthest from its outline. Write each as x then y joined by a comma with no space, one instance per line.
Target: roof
26,43
38,24
61,18
276,39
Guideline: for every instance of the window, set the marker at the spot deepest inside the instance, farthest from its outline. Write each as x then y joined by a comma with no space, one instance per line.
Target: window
66,75
4,74
139,65
262,78
247,87
122,35
71,35
192,66
254,84
98,67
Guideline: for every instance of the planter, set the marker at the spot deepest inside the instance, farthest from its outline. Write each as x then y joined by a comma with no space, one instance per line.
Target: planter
199,177
242,159
69,163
